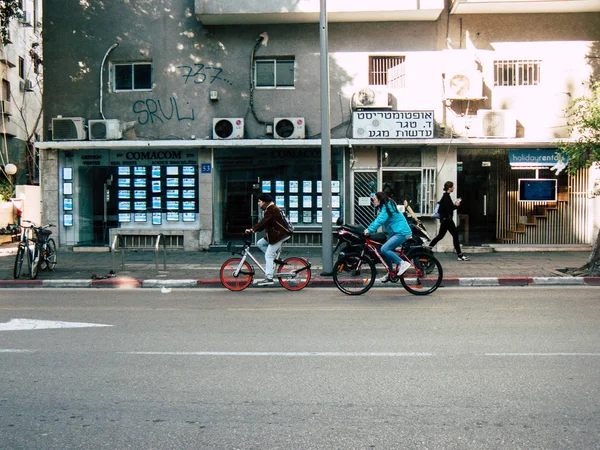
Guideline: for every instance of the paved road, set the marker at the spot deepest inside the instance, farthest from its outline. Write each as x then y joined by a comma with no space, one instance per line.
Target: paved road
266,369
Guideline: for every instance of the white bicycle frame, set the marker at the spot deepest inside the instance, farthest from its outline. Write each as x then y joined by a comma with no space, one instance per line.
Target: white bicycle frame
246,253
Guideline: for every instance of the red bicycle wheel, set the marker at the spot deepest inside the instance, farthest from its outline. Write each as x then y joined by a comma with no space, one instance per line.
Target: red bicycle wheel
231,282
298,271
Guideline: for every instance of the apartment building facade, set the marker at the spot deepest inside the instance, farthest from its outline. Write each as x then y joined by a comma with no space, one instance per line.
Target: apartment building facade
171,117
21,92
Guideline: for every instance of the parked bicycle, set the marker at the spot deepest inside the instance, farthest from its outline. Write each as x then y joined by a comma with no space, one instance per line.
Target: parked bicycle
354,272
42,255
237,274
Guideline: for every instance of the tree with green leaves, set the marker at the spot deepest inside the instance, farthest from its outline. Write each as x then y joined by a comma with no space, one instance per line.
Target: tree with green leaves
584,152
9,9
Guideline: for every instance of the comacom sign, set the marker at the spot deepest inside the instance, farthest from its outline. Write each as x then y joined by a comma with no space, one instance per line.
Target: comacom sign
392,125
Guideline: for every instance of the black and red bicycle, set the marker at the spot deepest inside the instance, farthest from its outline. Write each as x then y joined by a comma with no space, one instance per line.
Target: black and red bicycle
354,272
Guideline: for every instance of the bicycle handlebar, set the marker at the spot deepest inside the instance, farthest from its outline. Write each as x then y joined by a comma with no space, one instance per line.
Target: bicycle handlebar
33,225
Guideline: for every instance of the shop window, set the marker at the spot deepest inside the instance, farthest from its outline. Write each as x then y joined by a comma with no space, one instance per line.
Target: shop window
387,71
274,73
132,76
517,73
291,176
405,179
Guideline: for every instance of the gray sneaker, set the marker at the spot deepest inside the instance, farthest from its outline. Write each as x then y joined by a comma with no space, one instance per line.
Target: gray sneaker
266,282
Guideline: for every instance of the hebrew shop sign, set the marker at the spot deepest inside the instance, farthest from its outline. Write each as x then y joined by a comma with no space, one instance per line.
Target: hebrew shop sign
392,125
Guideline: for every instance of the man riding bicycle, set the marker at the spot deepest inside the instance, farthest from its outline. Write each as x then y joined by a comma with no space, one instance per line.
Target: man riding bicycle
276,234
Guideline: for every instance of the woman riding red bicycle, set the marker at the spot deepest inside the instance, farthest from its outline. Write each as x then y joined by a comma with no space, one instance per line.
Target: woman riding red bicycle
395,225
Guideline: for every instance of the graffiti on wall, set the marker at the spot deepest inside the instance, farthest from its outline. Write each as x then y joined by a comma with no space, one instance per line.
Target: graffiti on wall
154,111
151,111
199,73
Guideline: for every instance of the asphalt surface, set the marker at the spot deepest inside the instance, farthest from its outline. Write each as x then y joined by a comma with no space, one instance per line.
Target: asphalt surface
201,269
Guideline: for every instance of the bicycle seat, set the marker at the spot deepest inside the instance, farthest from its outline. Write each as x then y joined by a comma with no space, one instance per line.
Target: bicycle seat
358,229
378,237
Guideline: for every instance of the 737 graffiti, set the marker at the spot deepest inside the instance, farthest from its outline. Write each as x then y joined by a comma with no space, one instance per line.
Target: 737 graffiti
199,73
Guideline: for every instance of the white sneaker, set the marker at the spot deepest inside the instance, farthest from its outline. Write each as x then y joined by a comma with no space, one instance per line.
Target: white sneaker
384,279
266,282
403,267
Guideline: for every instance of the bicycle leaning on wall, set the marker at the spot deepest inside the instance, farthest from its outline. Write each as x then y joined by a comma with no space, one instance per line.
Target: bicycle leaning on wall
36,248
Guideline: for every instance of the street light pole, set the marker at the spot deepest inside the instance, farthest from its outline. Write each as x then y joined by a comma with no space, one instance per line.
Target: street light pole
327,228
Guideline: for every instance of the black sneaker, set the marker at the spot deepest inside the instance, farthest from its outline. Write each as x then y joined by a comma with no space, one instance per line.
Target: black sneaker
266,282
463,258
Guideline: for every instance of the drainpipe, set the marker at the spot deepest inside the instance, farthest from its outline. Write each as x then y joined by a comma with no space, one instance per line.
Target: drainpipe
102,76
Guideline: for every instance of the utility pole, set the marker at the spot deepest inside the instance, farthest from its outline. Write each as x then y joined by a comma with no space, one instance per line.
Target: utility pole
327,227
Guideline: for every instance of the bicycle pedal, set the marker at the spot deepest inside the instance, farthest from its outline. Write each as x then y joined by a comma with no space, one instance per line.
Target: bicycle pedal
278,261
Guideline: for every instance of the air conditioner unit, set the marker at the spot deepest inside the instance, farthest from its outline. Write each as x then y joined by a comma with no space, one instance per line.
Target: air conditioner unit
104,130
26,86
289,128
4,108
68,129
228,128
463,85
497,123
372,98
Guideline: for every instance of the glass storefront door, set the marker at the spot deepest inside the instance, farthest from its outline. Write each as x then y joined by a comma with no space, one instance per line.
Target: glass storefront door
477,185
97,212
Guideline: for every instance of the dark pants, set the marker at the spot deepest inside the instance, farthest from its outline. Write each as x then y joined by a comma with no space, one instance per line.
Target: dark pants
447,225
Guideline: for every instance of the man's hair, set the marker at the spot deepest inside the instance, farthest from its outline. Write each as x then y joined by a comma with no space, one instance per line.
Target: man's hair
265,198
448,185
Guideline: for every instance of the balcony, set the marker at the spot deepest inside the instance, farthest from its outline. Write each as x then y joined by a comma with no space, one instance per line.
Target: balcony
228,12
523,6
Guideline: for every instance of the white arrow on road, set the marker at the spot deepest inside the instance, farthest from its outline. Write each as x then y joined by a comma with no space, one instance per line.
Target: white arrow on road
31,324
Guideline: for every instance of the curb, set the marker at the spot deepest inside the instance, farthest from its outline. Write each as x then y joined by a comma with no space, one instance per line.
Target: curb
129,283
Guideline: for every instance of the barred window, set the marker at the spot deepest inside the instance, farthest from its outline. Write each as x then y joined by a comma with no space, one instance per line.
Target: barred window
387,71
517,72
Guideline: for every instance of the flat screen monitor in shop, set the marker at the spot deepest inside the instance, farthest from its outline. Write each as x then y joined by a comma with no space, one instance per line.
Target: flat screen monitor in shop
537,190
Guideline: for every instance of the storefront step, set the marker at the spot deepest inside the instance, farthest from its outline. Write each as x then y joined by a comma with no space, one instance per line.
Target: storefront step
541,247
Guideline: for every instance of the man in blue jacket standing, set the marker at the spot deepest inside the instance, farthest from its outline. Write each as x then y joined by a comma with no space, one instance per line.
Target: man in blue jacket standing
395,225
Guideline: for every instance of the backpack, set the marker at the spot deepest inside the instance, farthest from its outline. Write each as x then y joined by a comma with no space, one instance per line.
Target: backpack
286,222
436,211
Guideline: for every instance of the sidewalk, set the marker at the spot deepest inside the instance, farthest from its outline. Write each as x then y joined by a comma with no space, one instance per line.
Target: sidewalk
201,269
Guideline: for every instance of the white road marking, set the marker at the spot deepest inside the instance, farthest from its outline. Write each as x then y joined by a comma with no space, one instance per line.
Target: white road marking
541,354
31,324
291,354
16,350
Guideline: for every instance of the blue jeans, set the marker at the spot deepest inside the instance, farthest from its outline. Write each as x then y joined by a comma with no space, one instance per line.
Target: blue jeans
387,249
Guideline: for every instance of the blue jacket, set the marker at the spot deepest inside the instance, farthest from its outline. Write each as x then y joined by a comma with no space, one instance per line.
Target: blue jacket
394,224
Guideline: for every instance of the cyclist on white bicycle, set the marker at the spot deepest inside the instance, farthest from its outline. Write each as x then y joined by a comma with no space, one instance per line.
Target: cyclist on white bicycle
277,234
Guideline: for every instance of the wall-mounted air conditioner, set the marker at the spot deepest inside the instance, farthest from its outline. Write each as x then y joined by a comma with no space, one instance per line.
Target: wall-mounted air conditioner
68,129
26,85
497,123
289,128
228,128
375,97
105,129
463,85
